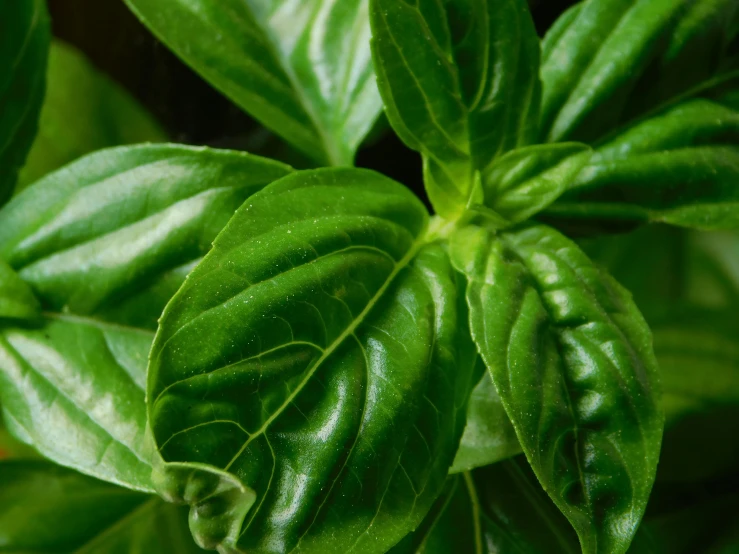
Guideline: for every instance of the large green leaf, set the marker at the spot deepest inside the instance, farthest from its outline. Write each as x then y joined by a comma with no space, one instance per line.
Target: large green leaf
572,360
303,69
319,354
679,167
46,509
609,62
95,236
104,243
500,509
460,84
24,43
83,111
488,435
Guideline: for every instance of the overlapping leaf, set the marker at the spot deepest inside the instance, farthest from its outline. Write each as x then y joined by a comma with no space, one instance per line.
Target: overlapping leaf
609,62
45,508
83,111
104,243
500,509
679,167
319,355
16,298
24,43
303,69
460,84
572,360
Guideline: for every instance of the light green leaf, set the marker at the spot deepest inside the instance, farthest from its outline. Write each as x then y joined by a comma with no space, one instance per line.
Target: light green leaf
104,243
572,360
83,111
460,84
303,69
610,62
500,509
319,354
74,391
93,237
526,180
16,298
48,509
24,43
488,436
680,167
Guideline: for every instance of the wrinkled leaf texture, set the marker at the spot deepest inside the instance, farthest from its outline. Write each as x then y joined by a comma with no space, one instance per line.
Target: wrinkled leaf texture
320,355
572,360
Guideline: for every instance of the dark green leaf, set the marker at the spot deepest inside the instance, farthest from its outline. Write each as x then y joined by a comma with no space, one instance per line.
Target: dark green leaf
10,447
16,298
83,111
24,44
680,167
500,509
46,509
320,355
710,527
105,243
572,360
527,180
610,62
303,69
460,84
488,436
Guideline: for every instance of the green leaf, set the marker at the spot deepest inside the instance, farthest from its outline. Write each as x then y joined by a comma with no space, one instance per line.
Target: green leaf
527,180
710,527
680,167
488,436
500,509
610,62
16,298
83,111
47,509
319,354
460,84
572,360
104,243
302,69
74,390
113,234
24,29
10,447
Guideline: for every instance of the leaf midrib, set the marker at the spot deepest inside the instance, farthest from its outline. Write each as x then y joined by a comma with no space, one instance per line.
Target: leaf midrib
330,349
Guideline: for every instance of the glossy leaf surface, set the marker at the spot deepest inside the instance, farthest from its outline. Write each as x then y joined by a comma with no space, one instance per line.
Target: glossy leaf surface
48,509
83,111
499,509
16,298
460,84
572,360
113,234
610,62
318,354
303,69
105,243
527,180
24,43
74,391
680,167
488,435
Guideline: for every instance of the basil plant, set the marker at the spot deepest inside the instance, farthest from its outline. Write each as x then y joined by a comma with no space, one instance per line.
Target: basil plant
209,349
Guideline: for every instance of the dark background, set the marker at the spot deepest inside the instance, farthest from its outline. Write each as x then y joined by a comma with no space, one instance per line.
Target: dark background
191,110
